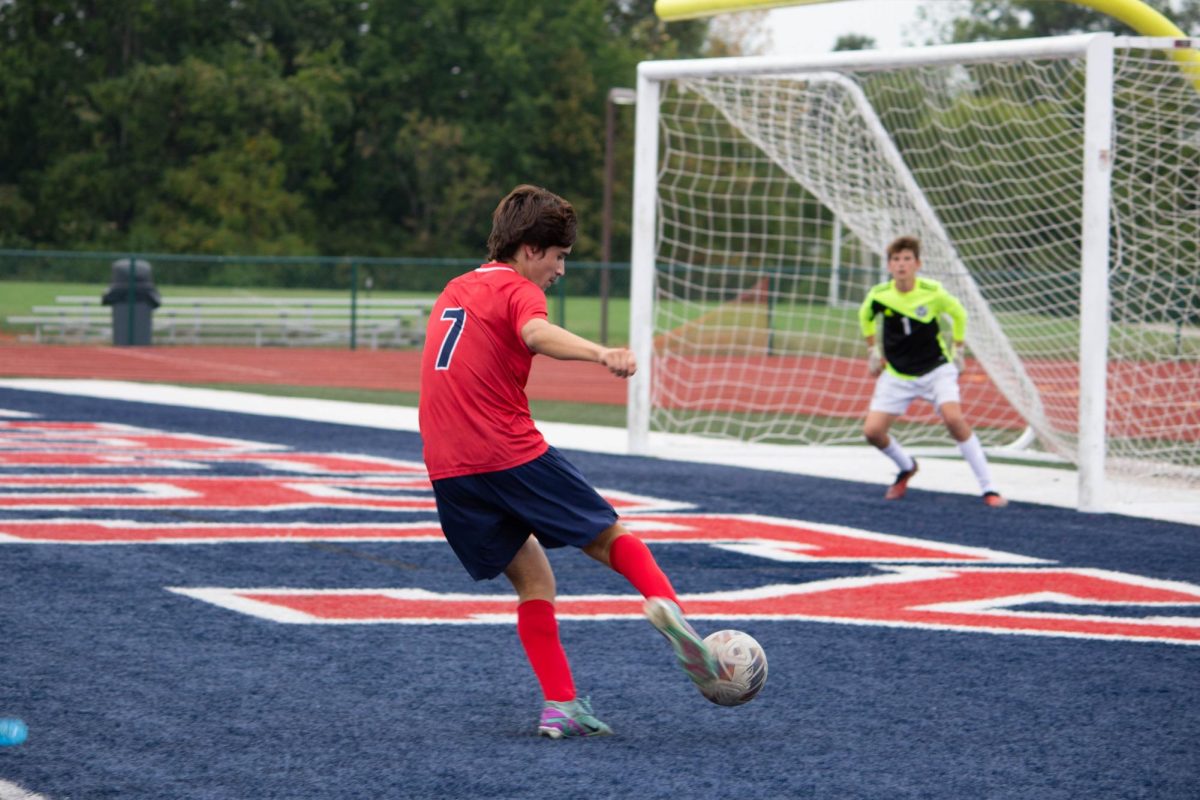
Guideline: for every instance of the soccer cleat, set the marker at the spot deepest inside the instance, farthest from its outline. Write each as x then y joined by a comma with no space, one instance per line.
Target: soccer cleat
570,718
693,655
994,500
900,485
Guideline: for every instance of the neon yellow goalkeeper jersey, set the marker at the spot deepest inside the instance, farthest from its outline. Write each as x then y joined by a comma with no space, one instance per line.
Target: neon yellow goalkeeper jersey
912,340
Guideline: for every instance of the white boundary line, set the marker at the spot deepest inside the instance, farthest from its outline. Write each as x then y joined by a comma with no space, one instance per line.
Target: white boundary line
11,791
1032,483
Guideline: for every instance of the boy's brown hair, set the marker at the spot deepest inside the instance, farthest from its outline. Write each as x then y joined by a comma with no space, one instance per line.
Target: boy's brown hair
530,215
910,243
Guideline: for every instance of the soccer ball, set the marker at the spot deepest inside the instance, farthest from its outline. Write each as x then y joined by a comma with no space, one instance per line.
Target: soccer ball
741,668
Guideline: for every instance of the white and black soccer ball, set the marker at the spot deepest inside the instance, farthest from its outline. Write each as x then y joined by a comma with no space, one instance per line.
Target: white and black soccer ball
741,668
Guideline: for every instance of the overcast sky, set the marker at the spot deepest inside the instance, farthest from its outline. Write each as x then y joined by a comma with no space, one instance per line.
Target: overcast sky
815,28
891,23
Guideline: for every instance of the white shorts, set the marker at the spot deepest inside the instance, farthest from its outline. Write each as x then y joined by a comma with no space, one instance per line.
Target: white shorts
894,395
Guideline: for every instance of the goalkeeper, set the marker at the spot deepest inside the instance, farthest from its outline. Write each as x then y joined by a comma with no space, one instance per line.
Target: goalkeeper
916,363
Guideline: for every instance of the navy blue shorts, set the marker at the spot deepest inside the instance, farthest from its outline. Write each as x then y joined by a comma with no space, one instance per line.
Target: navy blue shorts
487,517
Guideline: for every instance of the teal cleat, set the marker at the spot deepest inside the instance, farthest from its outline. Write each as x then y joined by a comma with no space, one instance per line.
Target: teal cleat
570,718
693,655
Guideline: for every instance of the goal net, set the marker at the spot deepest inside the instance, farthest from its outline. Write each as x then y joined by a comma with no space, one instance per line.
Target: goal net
1054,184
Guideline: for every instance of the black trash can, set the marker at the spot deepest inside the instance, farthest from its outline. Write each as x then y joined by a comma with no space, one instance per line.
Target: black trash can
132,328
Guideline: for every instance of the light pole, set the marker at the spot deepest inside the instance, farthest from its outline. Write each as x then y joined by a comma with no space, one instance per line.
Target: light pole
616,97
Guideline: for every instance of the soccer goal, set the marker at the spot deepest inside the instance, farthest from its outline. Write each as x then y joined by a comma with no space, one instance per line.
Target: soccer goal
1054,183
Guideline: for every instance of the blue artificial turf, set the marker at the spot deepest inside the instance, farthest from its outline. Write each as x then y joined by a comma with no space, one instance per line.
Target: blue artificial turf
137,693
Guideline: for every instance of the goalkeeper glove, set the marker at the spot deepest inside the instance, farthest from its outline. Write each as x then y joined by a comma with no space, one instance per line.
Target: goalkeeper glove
874,362
959,357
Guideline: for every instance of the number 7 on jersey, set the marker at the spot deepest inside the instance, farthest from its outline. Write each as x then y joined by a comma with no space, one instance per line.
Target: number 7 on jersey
457,316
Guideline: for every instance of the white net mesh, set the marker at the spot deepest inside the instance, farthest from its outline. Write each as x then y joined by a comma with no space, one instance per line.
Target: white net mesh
777,195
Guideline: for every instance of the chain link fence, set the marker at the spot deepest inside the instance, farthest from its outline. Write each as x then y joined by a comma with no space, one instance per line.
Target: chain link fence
61,297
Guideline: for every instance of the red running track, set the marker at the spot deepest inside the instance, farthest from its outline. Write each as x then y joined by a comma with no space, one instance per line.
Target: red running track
822,385
1160,400
385,370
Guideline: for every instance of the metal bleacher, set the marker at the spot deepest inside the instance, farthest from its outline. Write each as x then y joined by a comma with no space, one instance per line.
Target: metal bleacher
251,321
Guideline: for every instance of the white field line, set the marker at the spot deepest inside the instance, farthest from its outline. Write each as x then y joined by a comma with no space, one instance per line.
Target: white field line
1031,483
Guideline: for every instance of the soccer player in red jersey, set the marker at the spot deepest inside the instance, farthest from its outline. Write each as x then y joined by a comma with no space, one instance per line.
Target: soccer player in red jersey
503,494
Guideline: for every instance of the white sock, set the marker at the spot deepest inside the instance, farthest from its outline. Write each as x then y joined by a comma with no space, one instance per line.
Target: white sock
972,451
896,453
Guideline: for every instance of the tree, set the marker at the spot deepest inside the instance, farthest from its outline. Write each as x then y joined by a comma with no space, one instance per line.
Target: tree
741,34
333,126
521,85
854,41
991,20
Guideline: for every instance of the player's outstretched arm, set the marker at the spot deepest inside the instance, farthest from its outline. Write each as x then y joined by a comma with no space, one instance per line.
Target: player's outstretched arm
548,339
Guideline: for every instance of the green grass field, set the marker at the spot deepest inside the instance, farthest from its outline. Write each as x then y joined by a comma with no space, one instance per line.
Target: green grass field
808,329
543,410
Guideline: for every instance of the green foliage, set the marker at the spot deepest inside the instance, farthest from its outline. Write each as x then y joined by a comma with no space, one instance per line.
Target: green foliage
854,41
309,126
991,20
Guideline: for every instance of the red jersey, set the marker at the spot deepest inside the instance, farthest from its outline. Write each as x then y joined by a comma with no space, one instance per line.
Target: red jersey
474,414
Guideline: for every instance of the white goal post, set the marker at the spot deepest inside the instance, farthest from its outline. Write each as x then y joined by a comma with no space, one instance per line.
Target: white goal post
1054,184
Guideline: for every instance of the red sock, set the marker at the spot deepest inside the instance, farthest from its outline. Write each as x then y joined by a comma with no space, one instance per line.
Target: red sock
538,628
629,556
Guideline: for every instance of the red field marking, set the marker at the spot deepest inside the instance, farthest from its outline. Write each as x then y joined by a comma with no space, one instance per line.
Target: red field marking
759,537
224,492
69,531
782,539
984,600
109,437
257,492
300,463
